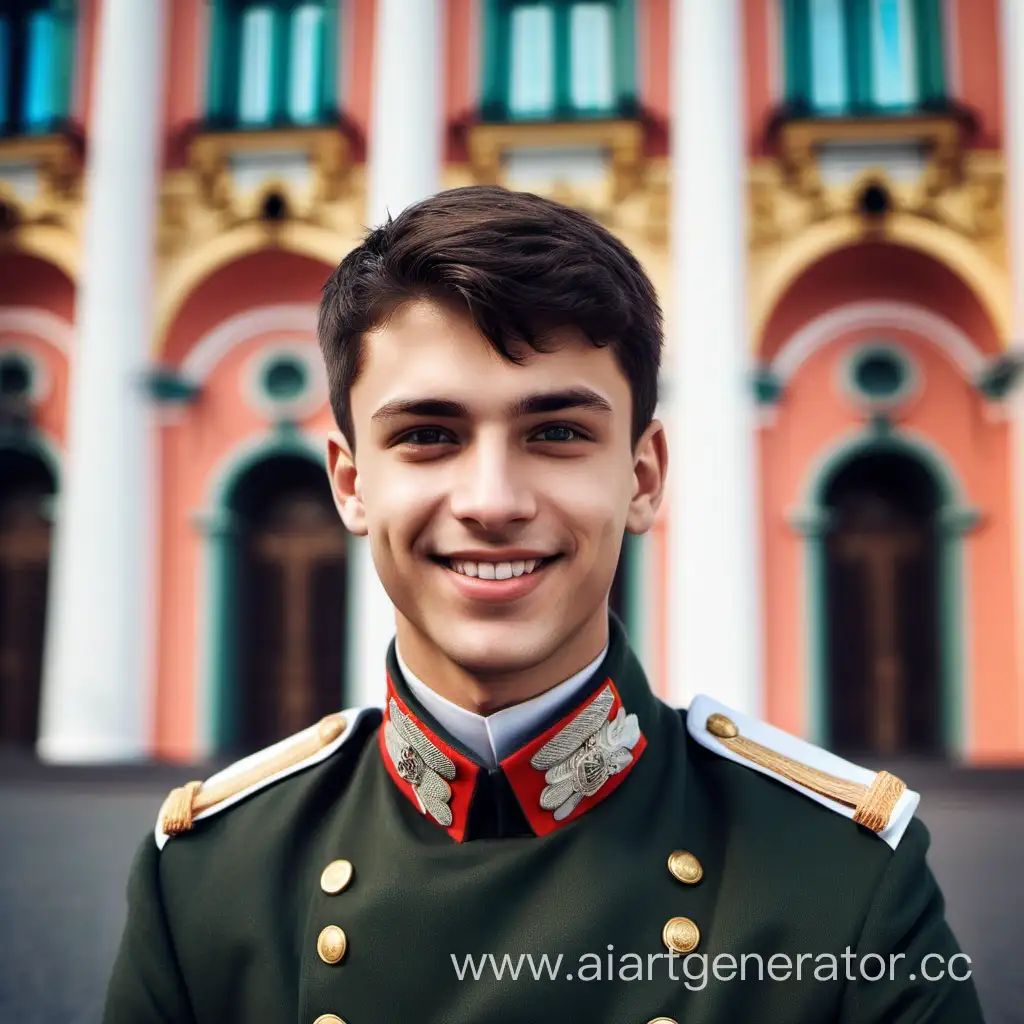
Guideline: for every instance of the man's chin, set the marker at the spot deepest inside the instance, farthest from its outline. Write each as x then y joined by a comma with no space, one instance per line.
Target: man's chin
497,648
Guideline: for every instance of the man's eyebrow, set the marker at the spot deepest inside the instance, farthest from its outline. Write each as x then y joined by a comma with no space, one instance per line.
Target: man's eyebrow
529,405
446,408
556,401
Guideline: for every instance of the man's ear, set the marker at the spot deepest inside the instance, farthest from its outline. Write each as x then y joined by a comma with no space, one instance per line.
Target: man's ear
341,471
650,467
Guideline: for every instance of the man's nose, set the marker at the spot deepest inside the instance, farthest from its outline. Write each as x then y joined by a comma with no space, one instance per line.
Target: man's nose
493,487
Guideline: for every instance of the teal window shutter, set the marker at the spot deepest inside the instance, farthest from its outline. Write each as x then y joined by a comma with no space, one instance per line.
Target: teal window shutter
625,58
796,24
494,73
858,51
558,59
931,64
863,57
272,62
36,65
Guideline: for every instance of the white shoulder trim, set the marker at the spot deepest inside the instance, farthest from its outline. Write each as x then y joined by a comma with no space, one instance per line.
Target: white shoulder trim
701,707
352,718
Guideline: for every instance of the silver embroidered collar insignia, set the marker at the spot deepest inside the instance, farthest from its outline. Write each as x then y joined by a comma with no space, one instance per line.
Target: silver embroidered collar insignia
427,769
583,756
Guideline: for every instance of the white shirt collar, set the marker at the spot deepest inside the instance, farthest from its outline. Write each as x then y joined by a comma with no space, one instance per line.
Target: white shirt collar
493,737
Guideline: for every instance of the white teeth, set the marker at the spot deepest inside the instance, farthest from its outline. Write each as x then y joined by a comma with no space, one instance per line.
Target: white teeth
496,570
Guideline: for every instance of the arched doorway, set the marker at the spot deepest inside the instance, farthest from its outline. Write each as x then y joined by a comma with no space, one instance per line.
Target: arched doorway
883,606
26,488
287,609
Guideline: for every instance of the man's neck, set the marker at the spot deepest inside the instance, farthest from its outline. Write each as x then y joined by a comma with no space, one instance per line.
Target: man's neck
495,736
485,692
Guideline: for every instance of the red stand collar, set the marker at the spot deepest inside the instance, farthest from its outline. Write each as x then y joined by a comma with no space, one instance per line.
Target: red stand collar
527,782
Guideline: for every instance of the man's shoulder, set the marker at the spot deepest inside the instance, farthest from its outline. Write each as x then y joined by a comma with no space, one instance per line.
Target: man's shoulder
792,780
332,744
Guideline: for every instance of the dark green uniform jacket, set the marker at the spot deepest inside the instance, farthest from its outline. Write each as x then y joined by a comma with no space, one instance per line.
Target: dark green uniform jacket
603,842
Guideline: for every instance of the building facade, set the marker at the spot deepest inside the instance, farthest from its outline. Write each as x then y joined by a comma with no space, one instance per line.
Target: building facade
828,195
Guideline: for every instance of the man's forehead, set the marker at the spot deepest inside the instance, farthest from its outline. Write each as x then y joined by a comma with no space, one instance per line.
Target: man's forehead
426,351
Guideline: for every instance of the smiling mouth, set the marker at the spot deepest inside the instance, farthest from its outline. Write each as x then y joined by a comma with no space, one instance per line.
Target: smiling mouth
497,571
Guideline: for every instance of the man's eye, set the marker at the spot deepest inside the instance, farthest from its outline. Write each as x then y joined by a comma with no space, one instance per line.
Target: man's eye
559,432
424,436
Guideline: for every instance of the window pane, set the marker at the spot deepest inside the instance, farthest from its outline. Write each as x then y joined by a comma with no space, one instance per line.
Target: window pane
893,65
531,68
5,74
306,63
828,56
38,108
256,67
593,71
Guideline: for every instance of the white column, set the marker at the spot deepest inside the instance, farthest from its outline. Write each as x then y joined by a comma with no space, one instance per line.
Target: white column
1013,127
714,629
404,167
97,679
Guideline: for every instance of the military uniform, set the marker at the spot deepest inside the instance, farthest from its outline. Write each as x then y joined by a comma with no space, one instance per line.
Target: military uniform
347,873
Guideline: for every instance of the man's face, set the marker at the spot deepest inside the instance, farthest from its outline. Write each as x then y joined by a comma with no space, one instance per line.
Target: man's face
494,495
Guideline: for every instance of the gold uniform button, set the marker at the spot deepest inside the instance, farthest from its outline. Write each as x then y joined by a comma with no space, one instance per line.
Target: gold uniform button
336,877
328,1018
685,867
680,935
331,944
722,727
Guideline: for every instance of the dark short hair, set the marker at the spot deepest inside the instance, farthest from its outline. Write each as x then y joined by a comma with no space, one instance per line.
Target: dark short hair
522,266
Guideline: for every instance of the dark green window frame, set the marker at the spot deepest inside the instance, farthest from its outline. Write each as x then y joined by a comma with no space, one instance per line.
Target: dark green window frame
497,53
929,60
224,99
36,73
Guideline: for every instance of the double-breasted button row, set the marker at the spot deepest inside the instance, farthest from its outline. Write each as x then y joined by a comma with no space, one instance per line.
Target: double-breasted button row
680,934
332,942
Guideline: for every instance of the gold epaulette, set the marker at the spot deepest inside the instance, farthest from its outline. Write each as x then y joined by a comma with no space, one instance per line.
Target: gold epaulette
878,801
186,802
872,805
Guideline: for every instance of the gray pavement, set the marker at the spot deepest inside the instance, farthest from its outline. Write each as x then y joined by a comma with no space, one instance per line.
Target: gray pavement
67,839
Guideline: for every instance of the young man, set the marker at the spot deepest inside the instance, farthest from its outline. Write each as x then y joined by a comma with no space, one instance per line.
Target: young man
493,361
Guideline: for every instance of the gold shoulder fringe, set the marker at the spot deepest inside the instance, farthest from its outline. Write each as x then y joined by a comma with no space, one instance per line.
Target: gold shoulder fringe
185,802
873,805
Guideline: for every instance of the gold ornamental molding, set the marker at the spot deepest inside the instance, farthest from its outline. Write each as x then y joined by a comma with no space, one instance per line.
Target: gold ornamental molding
799,143
622,139
327,150
952,210
41,198
307,200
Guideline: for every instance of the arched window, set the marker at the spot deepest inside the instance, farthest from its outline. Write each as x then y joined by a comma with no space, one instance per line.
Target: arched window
863,57
272,63
559,59
36,61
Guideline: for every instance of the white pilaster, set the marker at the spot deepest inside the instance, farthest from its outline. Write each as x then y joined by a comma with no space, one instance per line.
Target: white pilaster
1013,128
714,627
97,678
404,167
